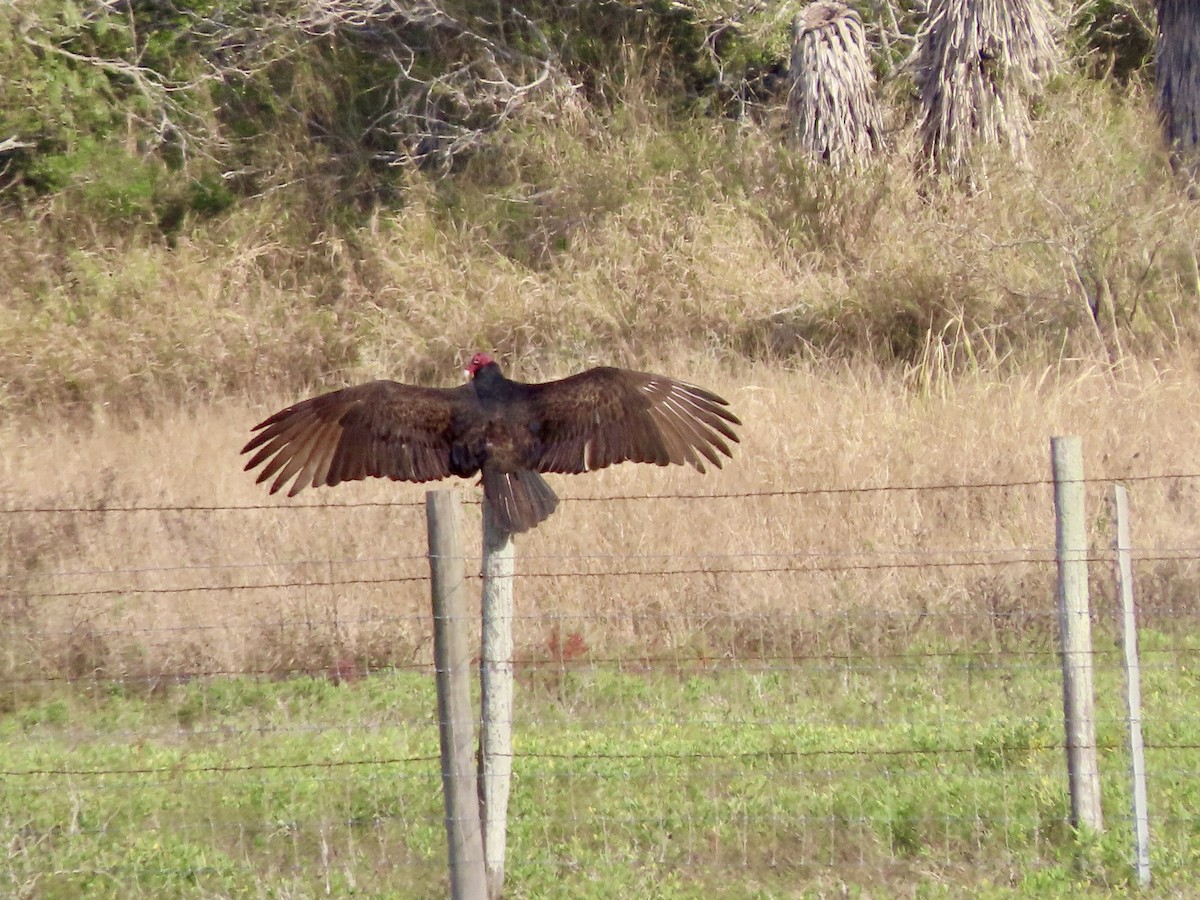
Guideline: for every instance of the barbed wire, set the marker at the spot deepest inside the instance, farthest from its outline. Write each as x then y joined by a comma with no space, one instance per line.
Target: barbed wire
994,556
350,670
260,625
314,775
555,617
225,566
527,557
433,774
175,771
1047,558
1043,558
580,718
209,588
728,495
801,821
624,756
201,507
567,864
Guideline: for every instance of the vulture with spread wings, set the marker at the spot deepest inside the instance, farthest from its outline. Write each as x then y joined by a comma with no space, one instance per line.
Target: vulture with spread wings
507,431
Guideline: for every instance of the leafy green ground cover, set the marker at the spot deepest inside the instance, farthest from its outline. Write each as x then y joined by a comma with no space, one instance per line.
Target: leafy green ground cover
939,774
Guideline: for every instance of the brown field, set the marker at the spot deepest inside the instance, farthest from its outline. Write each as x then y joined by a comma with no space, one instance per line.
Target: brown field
872,331
808,427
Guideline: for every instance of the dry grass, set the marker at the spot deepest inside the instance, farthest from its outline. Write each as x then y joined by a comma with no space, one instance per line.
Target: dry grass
815,426
622,237
869,332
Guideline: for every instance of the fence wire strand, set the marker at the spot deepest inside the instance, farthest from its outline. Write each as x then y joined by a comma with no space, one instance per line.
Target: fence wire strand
729,495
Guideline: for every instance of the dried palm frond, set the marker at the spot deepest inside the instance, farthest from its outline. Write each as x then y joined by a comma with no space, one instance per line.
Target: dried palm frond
832,105
1177,71
978,62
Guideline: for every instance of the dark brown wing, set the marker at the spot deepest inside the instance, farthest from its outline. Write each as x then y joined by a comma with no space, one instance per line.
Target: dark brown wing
379,429
605,416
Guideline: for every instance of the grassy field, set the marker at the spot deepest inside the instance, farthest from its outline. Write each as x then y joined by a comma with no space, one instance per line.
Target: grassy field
932,775
807,713
164,590
800,678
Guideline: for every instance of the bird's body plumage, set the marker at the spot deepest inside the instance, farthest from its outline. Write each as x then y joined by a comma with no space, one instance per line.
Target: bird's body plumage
507,431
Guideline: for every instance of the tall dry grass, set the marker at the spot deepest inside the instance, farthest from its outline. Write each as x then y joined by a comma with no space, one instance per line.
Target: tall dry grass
624,235
870,330
812,426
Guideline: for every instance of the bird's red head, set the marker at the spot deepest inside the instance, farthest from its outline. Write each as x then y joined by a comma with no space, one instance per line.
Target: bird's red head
478,361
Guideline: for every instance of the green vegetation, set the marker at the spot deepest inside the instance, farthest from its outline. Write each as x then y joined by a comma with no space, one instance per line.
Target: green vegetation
714,782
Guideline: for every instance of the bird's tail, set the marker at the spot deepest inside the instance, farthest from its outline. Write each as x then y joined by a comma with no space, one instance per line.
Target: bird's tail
519,500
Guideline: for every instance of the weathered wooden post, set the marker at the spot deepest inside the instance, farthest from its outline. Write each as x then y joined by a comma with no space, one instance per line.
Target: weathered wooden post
452,665
1133,687
496,696
1075,631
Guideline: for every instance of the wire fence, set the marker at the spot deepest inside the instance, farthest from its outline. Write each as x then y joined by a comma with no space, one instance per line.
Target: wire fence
834,688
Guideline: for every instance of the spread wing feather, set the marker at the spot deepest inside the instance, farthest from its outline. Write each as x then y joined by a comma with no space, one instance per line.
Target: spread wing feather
382,428
605,416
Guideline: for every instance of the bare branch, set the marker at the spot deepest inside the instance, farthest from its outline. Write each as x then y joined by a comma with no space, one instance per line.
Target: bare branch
166,116
484,79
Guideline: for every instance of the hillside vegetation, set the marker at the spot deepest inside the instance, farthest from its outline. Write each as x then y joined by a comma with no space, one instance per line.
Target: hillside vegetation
196,211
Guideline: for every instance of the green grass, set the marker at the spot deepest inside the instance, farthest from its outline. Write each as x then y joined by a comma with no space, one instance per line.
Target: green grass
933,775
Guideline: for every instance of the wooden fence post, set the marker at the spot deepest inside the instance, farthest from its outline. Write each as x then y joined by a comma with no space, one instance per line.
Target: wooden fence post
496,696
1075,631
1133,687
452,665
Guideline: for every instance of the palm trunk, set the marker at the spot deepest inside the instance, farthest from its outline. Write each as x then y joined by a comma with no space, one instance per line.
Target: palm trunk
834,113
979,62
1177,71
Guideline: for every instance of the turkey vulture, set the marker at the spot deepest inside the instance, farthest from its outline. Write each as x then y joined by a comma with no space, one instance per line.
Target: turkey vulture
507,430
